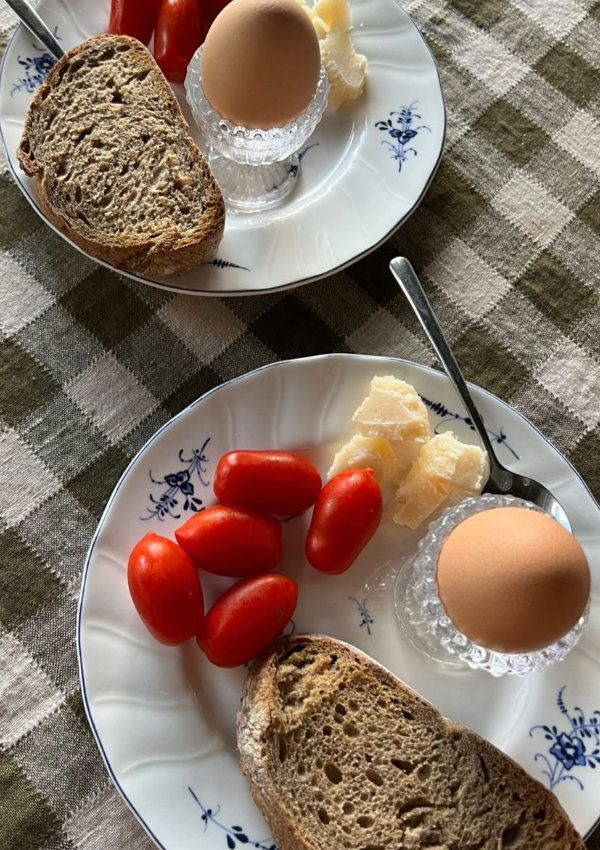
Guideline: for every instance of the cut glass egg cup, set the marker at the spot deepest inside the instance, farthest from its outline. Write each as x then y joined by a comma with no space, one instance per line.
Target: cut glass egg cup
428,627
255,169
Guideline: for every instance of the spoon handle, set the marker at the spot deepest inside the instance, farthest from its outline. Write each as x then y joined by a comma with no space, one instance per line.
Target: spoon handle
36,26
411,286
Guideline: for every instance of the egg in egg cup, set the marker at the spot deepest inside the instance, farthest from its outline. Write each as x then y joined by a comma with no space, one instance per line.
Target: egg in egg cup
495,590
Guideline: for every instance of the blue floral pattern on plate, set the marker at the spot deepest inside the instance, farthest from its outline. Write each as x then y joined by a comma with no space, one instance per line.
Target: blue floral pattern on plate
179,486
218,263
365,617
442,411
577,746
34,69
399,126
234,835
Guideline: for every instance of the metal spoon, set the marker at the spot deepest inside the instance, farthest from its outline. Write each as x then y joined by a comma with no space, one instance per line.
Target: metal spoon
30,18
501,479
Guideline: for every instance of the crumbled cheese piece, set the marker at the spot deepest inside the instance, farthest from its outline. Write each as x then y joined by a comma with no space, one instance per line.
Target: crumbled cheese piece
346,69
367,452
416,499
445,460
394,411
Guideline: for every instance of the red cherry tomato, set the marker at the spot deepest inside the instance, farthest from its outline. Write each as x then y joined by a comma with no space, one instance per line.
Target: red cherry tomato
133,17
247,618
179,33
283,483
165,589
232,541
345,518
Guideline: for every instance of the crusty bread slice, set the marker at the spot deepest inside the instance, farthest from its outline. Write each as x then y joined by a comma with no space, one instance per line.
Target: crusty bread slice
118,172
341,755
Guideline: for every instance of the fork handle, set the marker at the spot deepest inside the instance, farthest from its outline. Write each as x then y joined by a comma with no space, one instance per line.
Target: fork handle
411,286
30,18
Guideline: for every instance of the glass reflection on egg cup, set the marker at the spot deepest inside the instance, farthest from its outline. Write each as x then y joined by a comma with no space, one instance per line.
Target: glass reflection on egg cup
428,627
255,169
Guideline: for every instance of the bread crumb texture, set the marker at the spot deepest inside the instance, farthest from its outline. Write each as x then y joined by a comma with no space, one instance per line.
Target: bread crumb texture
117,168
350,759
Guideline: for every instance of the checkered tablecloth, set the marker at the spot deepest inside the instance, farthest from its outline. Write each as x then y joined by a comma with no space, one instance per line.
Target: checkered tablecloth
92,364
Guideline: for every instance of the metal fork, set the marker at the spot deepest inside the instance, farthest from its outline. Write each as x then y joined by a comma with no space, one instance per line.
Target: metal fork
501,480
30,18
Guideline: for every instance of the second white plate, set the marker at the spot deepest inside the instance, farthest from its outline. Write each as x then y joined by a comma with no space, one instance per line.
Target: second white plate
362,173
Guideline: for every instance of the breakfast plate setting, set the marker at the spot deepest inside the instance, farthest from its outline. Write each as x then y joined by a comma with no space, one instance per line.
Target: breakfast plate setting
164,717
344,601
363,170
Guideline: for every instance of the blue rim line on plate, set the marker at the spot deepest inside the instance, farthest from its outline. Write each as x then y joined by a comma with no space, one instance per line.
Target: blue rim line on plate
140,453
238,293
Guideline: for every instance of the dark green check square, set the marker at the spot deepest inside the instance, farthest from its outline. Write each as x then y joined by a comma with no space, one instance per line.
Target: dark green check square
452,199
590,212
25,580
106,306
372,273
192,388
24,384
483,14
488,362
157,356
94,484
511,132
291,329
556,291
585,457
26,820
567,71
75,703
441,56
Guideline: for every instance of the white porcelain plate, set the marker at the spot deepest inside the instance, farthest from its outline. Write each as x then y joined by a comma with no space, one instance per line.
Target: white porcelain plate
164,717
357,181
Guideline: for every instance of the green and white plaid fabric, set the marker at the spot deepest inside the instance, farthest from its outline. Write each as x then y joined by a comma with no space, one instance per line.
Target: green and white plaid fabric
92,364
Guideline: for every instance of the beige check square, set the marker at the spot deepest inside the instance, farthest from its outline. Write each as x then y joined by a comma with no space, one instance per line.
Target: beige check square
27,694
581,138
103,822
492,63
558,17
532,209
22,472
466,279
205,325
573,377
21,296
112,397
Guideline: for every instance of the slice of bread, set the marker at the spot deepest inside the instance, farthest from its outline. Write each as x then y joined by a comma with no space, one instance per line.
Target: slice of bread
117,170
341,755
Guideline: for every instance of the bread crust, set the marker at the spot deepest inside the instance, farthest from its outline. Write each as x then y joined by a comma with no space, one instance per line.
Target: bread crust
259,717
174,251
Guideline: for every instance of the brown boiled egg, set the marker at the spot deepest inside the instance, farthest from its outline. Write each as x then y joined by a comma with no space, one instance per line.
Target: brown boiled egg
261,62
512,579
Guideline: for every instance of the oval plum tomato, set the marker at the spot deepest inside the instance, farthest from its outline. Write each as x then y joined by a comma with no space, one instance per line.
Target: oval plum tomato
345,518
165,589
282,483
133,17
179,33
247,618
232,541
